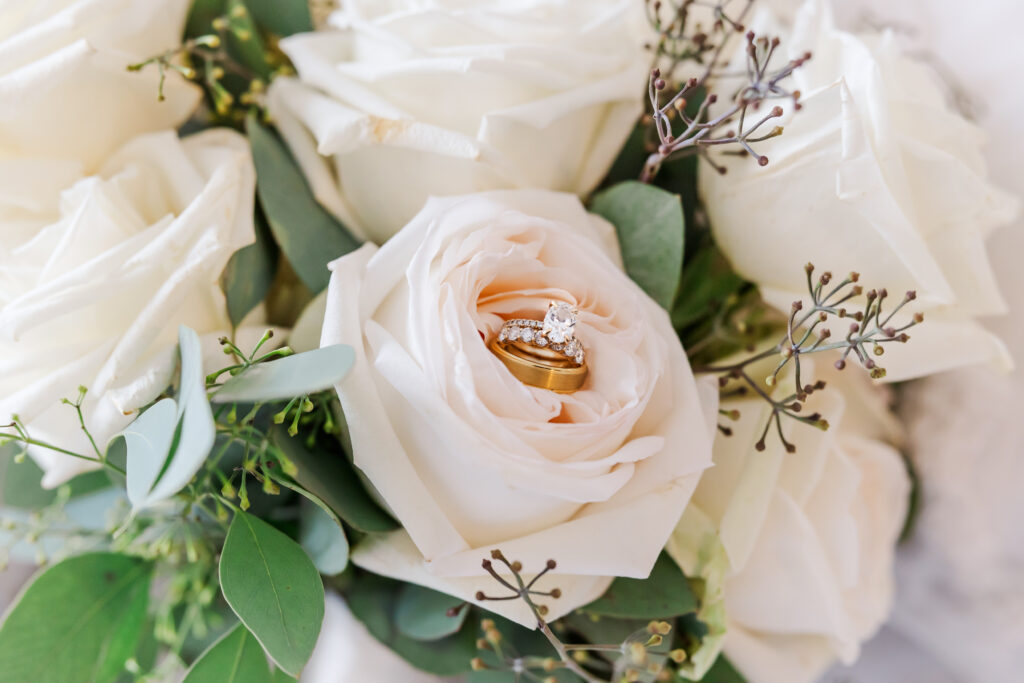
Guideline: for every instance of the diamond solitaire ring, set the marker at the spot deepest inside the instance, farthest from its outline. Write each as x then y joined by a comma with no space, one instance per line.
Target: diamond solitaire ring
553,338
544,353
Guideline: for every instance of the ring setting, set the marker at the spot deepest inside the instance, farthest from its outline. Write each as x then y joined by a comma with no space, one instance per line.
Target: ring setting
544,353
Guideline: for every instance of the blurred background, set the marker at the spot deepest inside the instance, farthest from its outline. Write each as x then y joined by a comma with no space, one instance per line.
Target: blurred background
959,601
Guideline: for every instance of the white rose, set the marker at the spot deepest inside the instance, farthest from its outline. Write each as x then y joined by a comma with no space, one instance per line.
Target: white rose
875,174
408,99
98,271
347,652
65,91
809,537
470,459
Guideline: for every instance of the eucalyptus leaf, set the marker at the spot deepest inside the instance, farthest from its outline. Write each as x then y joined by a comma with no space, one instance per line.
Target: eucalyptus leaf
273,587
163,460
285,378
148,441
324,540
21,482
372,600
649,223
707,281
506,676
664,594
250,272
236,658
309,236
723,672
244,41
283,17
422,613
201,16
79,620
325,472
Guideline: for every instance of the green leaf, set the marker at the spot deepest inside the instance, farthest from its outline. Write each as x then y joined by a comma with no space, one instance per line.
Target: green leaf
148,440
22,481
283,17
707,282
285,378
281,677
236,658
649,222
723,672
664,594
324,540
249,273
372,600
168,443
422,614
629,163
275,590
244,40
309,236
326,473
79,620
201,16
604,630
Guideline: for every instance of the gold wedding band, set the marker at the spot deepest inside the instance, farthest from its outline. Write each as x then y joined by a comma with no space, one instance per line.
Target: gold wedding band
561,376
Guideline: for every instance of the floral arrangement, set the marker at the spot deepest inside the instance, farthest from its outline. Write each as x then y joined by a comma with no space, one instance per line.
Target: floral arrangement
546,341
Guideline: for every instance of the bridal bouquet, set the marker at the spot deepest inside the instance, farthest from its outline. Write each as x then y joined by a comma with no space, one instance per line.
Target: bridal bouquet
499,341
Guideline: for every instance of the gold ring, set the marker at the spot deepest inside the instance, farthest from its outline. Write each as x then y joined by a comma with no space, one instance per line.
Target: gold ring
553,338
560,376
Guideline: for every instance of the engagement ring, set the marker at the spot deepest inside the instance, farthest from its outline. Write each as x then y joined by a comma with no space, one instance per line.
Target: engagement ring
544,353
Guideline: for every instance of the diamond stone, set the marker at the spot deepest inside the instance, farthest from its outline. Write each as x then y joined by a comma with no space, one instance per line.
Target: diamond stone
503,335
559,322
572,347
579,357
526,335
513,334
557,347
540,341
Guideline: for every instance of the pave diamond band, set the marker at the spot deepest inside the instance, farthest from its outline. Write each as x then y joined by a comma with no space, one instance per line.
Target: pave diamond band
544,353
535,334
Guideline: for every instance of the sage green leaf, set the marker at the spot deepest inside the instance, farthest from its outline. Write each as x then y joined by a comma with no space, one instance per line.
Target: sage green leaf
163,459
283,17
603,629
723,672
372,600
148,440
422,614
248,275
236,658
324,539
244,41
79,620
275,590
649,222
325,471
21,482
706,283
285,378
201,16
664,594
309,236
